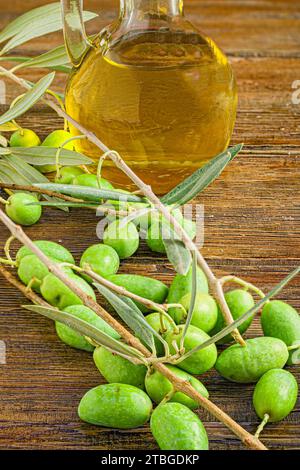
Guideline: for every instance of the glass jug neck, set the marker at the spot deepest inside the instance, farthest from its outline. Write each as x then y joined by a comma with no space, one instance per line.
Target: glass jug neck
160,8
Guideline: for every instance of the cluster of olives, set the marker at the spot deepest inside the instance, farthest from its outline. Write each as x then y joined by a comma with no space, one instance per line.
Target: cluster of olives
126,401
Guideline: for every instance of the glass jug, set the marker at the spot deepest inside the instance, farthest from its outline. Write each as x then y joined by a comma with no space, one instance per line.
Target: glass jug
151,87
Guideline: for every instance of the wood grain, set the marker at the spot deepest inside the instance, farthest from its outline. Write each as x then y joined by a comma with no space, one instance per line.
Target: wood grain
252,228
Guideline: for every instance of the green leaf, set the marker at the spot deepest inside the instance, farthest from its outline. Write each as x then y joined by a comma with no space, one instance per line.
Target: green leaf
178,255
55,57
28,100
24,60
22,173
130,314
228,329
198,181
90,194
33,24
40,155
64,204
85,328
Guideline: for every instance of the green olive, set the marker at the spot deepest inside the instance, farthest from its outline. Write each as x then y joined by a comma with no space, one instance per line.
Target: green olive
76,340
281,320
200,361
55,139
49,248
24,138
115,405
160,229
68,174
205,312
102,259
239,302
124,238
275,395
117,369
19,210
246,364
176,427
158,387
56,293
161,324
87,179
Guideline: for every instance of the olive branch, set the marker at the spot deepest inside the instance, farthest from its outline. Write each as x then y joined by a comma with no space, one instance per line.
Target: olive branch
137,350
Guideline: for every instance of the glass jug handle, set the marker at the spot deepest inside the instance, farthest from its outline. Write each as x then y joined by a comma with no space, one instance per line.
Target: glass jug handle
76,40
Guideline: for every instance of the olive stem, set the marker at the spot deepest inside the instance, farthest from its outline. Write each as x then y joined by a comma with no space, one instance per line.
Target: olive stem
262,425
34,189
8,262
241,282
294,346
58,152
86,269
7,248
3,201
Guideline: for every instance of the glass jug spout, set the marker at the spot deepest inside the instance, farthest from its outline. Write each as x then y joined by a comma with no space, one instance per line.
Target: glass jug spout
76,40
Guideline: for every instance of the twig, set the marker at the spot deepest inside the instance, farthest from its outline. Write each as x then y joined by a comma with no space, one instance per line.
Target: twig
131,340
34,189
28,293
160,308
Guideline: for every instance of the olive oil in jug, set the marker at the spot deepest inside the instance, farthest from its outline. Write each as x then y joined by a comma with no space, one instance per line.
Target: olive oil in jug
158,92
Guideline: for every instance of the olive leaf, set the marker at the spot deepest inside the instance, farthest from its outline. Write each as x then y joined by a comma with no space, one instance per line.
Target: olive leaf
131,315
63,204
29,99
33,24
19,172
57,57
86,329
178,255
201,178
90,194
24,60
40,155
228,329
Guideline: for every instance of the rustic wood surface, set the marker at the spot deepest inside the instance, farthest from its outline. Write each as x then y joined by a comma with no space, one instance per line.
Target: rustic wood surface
252,228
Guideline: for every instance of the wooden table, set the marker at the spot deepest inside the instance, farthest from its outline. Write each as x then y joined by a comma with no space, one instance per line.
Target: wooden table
252,228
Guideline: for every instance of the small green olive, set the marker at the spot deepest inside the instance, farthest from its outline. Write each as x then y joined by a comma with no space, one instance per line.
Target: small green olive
102,259
56,293
87,179
205,311
239,302
76,340
200,361
117,369
124,238
24,138
51,249
55,139
275,395
176,427
115,405
68,174
158,387
19,210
